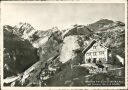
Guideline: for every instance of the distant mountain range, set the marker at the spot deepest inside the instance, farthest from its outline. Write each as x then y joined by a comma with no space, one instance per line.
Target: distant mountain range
31,52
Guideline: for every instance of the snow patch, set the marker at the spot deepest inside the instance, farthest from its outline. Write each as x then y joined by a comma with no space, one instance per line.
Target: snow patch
28,35
120,59
10,79
70,44
40,42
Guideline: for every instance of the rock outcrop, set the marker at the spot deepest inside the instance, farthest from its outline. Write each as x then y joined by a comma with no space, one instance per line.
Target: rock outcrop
18,54
54,57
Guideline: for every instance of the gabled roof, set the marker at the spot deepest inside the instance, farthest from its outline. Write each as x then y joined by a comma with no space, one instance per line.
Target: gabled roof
90,45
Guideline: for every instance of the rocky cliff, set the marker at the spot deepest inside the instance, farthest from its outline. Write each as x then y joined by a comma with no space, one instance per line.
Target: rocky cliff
19,54
53,57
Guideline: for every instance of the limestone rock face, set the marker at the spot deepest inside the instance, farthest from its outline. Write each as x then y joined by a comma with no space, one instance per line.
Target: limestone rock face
70,44
18,54
53,57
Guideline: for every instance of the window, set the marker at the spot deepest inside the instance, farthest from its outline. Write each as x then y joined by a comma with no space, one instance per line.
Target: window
94,53
88,60
100,59
94,47
101,52
119,73
94,60
88,54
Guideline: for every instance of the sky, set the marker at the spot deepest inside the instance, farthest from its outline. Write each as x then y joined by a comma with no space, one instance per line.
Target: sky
43,16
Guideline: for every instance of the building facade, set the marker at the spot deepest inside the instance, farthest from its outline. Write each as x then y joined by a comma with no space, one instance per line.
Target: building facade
97,53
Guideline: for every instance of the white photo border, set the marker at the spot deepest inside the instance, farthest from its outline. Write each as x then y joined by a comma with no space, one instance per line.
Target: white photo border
68,88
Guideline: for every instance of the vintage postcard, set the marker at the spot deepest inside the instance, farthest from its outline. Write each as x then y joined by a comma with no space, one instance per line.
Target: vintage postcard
64,45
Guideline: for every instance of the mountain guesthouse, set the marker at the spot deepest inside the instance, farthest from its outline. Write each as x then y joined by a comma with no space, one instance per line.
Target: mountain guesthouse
96,53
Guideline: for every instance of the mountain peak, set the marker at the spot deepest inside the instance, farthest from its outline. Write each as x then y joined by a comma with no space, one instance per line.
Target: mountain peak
104,24
104,21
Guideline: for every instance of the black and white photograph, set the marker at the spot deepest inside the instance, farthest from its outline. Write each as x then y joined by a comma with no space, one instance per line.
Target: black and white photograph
64,44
